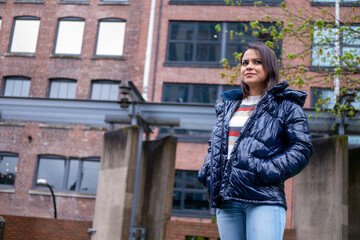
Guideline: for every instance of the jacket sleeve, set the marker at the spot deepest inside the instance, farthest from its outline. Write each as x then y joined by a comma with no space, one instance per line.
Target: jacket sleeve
296,154
203,173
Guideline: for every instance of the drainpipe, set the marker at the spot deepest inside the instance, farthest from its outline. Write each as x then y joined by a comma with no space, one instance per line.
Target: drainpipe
337,51
148,51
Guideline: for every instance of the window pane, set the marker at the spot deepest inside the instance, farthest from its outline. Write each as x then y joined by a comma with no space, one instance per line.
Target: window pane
352,36
17,87
326,95
89,176
180,52
73,173
197,201
350,54
181,31
176,200
175,93
62,89
208,52
8,169
105,91
53,171
25,36
322,56
205,93
111,38
191,181
207,32
69,37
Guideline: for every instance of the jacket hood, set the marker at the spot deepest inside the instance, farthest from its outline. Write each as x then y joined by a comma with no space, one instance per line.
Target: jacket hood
279,91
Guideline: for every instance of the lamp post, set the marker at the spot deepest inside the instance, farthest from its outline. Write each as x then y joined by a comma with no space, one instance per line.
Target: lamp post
43,182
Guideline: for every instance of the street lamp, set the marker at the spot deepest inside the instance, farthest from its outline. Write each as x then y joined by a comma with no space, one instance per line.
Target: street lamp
43,182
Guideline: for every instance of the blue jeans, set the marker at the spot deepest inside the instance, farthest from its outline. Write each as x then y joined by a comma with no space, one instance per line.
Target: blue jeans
244,221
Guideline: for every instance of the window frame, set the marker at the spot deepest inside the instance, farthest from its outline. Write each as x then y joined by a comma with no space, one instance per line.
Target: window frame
104,81
24,18
57,36
65,181
332,3
317,89
61,80
189,212
185,137
97,38
331,44
20,78
9,154
223,41
222,2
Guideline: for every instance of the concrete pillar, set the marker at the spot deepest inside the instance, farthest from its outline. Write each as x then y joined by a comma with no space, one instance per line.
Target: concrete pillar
157,183
321,192
115,185
354,194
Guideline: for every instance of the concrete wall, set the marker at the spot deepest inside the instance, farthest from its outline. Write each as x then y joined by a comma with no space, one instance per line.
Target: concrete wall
115,186
321,199
354,194
157,186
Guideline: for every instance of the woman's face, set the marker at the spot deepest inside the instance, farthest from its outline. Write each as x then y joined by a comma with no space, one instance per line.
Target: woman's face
252,71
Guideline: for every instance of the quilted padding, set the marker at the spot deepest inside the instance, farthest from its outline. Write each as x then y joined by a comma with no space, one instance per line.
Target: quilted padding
273,145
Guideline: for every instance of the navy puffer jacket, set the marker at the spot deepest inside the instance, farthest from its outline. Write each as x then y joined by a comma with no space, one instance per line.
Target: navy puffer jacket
273,145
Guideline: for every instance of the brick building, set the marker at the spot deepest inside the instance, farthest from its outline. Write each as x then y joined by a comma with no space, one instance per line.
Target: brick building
83,49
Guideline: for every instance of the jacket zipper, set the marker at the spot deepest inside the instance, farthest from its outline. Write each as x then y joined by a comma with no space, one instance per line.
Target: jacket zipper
250,123
221,141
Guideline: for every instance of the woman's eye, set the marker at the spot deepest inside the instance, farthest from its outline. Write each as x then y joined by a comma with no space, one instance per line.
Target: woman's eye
244,63
258,62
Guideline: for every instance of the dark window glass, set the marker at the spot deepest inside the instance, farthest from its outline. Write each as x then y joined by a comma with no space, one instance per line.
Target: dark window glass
8,169
191,93
53,170
201,43
89,176
62,88
105,90
190,197
196,238
77,175
17,87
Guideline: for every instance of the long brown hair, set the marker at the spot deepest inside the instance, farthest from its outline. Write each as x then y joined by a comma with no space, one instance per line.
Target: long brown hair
270,66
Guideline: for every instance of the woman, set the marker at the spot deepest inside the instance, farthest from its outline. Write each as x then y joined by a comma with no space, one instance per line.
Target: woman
259,140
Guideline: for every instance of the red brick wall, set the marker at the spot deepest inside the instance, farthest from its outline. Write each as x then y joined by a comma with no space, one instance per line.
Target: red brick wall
26,228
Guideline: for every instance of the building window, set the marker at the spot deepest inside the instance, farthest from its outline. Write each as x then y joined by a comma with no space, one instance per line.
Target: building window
69,37
105,90
62,88
323,51
24,35
110,38
230,2
194,93
190,196
69,174
332,2
324,98
16,87
191,93
8,169
0,22
202,44
196,238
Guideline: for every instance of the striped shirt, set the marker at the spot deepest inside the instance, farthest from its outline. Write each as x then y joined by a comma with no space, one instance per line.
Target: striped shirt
239,118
